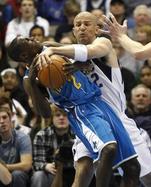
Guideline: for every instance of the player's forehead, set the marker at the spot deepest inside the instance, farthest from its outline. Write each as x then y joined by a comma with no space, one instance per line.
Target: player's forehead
85,17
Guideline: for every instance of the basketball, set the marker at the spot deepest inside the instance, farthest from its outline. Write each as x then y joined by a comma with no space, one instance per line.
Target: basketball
53,76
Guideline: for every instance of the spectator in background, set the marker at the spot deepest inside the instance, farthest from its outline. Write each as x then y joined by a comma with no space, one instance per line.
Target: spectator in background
143,34
141,16
68,39
38,33
53,11
16,111
140,108
10,84
5,175
6,15
145,75
70,10
3,57
131,4
118,9
22,24
89,5
52,153
16,149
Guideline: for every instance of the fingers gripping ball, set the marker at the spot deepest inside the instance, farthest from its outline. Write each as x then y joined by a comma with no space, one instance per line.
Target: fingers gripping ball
53,76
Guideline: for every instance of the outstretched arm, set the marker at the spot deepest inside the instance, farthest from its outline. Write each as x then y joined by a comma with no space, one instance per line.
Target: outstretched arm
99,48
115,30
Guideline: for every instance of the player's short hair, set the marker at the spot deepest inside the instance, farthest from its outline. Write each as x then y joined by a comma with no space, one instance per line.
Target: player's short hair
14,49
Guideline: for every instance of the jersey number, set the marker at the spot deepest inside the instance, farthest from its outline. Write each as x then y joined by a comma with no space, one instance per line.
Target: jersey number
95,78
76,84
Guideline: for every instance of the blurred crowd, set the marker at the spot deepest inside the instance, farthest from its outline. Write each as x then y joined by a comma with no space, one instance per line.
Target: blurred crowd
41,149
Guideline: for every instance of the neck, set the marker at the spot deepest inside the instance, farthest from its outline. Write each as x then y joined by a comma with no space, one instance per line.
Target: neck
61,132
28,19
6,136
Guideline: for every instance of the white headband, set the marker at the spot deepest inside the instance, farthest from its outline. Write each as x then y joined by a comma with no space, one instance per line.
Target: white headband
12,70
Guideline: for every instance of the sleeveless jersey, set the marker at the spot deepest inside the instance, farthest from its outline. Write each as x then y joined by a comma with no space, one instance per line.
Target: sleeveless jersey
111,83
77,90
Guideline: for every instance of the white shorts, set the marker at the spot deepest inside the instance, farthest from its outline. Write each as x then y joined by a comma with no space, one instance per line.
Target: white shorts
140,145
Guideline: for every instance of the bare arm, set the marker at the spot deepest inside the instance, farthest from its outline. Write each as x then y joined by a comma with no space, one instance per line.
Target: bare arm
40,103
24,165
99,48
5,175
135,48
119,32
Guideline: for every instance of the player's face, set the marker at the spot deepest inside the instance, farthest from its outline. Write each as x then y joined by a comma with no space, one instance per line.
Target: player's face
30,47
85,28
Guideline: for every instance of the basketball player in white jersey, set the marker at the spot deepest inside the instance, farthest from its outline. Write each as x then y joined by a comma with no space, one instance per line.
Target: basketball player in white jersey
106,73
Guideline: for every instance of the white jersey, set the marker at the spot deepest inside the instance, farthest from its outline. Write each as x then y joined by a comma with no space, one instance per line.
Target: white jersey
112,87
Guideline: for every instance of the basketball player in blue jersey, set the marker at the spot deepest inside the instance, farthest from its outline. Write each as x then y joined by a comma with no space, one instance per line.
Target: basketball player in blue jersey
91,118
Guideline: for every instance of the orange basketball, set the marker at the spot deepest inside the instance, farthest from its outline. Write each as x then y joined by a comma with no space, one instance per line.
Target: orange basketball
53,76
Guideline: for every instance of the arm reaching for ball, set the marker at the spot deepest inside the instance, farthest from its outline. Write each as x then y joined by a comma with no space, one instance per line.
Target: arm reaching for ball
100,47
115,30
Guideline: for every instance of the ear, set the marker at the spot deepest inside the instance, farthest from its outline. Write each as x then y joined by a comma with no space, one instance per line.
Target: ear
73,30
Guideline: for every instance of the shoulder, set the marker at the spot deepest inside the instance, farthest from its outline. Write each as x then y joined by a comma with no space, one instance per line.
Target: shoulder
42,20
102,40
13,22
20,136
45,132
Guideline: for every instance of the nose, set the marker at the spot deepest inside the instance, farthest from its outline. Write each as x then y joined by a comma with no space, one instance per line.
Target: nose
1,121
82,27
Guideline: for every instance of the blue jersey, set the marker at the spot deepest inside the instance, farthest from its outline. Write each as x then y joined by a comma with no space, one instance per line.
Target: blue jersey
91,119
77,90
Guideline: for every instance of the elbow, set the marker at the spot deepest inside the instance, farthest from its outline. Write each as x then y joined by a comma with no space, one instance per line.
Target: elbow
7,179
27,167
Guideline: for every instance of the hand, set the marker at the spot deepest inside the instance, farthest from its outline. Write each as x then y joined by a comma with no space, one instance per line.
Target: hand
51,168
44,58
113,27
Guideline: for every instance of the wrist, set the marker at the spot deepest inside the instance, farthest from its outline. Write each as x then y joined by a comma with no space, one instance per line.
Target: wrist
44,167
121,37
80,52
